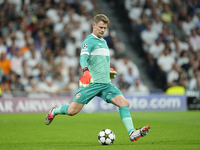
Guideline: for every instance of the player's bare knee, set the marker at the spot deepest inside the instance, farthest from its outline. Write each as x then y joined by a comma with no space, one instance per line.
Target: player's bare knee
126,103
71,112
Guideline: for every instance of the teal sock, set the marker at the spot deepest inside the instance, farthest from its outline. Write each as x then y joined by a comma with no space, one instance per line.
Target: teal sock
61,110
126,118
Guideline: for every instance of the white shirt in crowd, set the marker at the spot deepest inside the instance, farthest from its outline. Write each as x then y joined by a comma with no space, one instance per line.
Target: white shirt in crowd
166,62
156,49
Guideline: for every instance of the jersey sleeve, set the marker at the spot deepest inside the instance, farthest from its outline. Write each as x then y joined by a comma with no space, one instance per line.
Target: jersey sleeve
83,60
85,53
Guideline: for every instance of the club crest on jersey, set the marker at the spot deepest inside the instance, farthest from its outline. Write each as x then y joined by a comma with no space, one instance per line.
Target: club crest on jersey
85,46
78,95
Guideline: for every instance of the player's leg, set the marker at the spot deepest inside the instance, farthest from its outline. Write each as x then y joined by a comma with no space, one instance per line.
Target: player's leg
111,94
82,97
74,108
123,105
65,109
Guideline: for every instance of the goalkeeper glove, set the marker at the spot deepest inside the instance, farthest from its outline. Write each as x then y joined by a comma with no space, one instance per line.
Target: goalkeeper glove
86,78
113,73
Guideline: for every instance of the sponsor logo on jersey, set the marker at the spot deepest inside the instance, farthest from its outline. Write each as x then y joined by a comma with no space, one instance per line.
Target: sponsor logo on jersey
78,95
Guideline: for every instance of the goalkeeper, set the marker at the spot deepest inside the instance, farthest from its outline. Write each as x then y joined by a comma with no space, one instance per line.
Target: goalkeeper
96,80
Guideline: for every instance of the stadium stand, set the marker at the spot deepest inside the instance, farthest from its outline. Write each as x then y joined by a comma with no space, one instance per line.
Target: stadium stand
167,35
40,43
41,40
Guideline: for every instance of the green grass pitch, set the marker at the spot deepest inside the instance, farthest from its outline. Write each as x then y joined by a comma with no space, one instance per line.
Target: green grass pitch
169,131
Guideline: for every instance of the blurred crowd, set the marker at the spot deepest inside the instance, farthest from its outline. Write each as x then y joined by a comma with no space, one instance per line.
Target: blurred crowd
170,35
40,43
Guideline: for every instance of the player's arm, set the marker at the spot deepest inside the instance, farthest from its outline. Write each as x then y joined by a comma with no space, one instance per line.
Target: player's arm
86,78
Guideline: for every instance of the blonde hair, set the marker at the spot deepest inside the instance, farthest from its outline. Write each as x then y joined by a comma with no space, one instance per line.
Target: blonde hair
101,17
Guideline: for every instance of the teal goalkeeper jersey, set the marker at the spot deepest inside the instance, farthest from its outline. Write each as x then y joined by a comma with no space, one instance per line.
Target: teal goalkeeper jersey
95,55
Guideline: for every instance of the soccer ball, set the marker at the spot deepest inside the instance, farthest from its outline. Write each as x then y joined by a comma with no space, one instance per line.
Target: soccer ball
106,137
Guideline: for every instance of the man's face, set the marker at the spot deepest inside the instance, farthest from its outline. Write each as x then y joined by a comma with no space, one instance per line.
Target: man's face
99,29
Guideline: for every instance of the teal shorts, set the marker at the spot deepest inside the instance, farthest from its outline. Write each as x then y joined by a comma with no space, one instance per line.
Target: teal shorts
106,91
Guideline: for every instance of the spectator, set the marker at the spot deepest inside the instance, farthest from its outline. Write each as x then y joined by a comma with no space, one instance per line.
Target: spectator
180,31
5,64
71,47
49,63
182,77
123,64
163,58
16,62
72,86
183,59
3,48
60,81
183,13
197,87
195,40
130,3
164,67
194,80
166,16
173,75
197,58
148,36
196,17
138,88
51,87
178,46
62,57
164,34
157,25
130,76
17,86
33,65
188,25
42,84
135,12
24,77
10,27
170,35
32,50
59,26
184,83
119,47
122,85
77,32
5,89
156,48
4,85
20,35
142,23
33,87
173,23
194,66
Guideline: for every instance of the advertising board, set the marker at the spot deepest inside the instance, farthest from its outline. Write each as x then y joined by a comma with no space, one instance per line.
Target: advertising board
137,103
